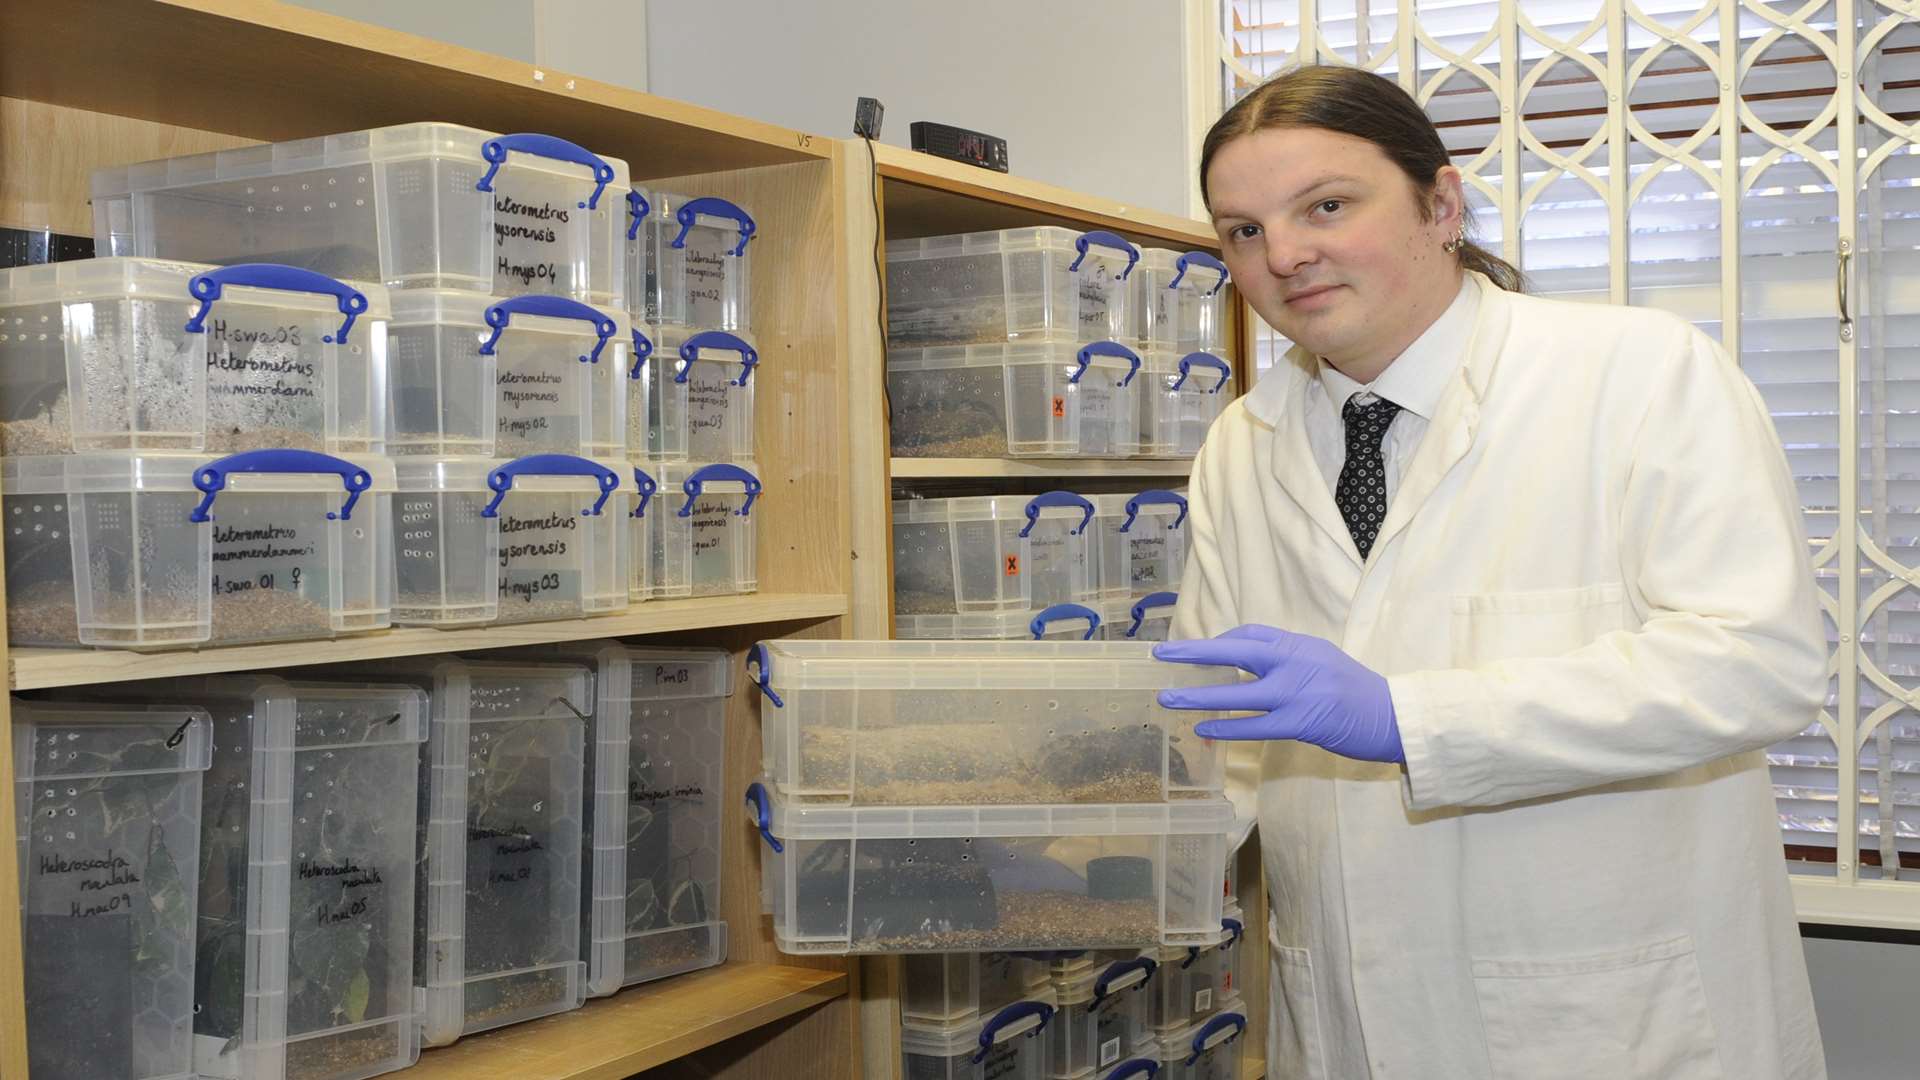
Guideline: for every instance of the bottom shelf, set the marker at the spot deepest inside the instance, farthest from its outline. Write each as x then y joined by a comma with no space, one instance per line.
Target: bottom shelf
636,1029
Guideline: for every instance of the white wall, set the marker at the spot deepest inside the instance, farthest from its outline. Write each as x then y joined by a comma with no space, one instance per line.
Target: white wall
501,27
1089,94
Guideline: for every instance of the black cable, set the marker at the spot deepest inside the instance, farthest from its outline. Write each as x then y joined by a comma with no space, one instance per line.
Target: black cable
880,285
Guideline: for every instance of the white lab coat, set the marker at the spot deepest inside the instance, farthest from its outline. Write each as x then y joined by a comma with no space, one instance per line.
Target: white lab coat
1593,603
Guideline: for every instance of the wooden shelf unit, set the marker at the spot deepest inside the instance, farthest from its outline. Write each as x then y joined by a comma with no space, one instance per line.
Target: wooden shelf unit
106,82
919,195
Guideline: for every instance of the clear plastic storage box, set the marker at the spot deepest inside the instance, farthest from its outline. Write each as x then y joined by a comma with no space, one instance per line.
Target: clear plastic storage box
655,753
1101,1017
1206,1051
306,907
502,782
1019,399
687,260
1194,983
1011,1044
1138,543
699,530
902,723
560,522
982,287
1179,396
412,206
943,989
1180,300
993,553
165,550
698,392
905,879
107,818
482,375
139,354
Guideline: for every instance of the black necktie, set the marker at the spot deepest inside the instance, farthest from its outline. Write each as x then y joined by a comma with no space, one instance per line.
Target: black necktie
1361,493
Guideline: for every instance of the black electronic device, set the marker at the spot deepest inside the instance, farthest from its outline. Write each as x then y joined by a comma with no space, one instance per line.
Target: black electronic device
866,117
959,144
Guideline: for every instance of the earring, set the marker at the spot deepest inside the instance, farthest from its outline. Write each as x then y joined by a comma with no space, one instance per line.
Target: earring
1454,245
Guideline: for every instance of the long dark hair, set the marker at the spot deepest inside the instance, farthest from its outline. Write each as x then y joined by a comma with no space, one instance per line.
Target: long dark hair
1359,103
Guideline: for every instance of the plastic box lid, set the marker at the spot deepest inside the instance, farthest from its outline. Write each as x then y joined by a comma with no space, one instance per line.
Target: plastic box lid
1201,276
974,665
471,474
115,278
976,508
1217,1030
459,307
1054,349
70,740
987,626
1081,984
1188,817
98,471
953,1040
330,151
1038,238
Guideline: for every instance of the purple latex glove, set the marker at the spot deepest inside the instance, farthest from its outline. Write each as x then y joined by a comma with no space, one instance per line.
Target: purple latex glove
1308,688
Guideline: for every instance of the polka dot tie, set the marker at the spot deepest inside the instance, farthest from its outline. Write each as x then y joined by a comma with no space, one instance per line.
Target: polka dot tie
1361,493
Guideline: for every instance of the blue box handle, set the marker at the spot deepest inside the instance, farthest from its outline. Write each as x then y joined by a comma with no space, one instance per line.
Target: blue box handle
1116,972
1055,499
1146,603
719,472
207,287
1105,239
501,479
1137,1069
1106,348
716,339
712,207
638,207
1234,930
642,348
646,486
211,478
760,670
1202,359
1062,613
1155,497
1198,258
763,815
546,146
1009,1016
500,315
1204,1039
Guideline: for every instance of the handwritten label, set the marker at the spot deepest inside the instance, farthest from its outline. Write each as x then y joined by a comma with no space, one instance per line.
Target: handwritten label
706,258
508,843
263,373
638,794
678,676
534,232
97,874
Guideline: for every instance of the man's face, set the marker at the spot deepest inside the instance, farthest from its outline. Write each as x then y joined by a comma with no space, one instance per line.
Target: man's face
1324,236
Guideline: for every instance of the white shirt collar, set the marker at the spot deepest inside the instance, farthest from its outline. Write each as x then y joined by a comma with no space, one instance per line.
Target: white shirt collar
1417,377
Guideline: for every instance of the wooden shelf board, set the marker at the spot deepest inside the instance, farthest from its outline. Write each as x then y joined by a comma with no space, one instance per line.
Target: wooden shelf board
929,196
616,1037
273,71
916,468
33,669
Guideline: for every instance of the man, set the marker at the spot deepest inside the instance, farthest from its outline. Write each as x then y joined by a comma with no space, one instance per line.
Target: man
1522,586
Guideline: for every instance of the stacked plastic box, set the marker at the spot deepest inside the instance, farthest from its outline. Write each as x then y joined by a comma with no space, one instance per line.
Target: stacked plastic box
655,754
499,856
1101,1017
1013,344
1137,544
306,940
510,346
107,819
691,395
134,393
1146,619
1193,984
990,566
933,797
1209,1050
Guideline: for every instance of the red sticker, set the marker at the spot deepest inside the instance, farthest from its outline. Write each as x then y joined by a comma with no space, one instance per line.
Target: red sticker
1059,408
1013,566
